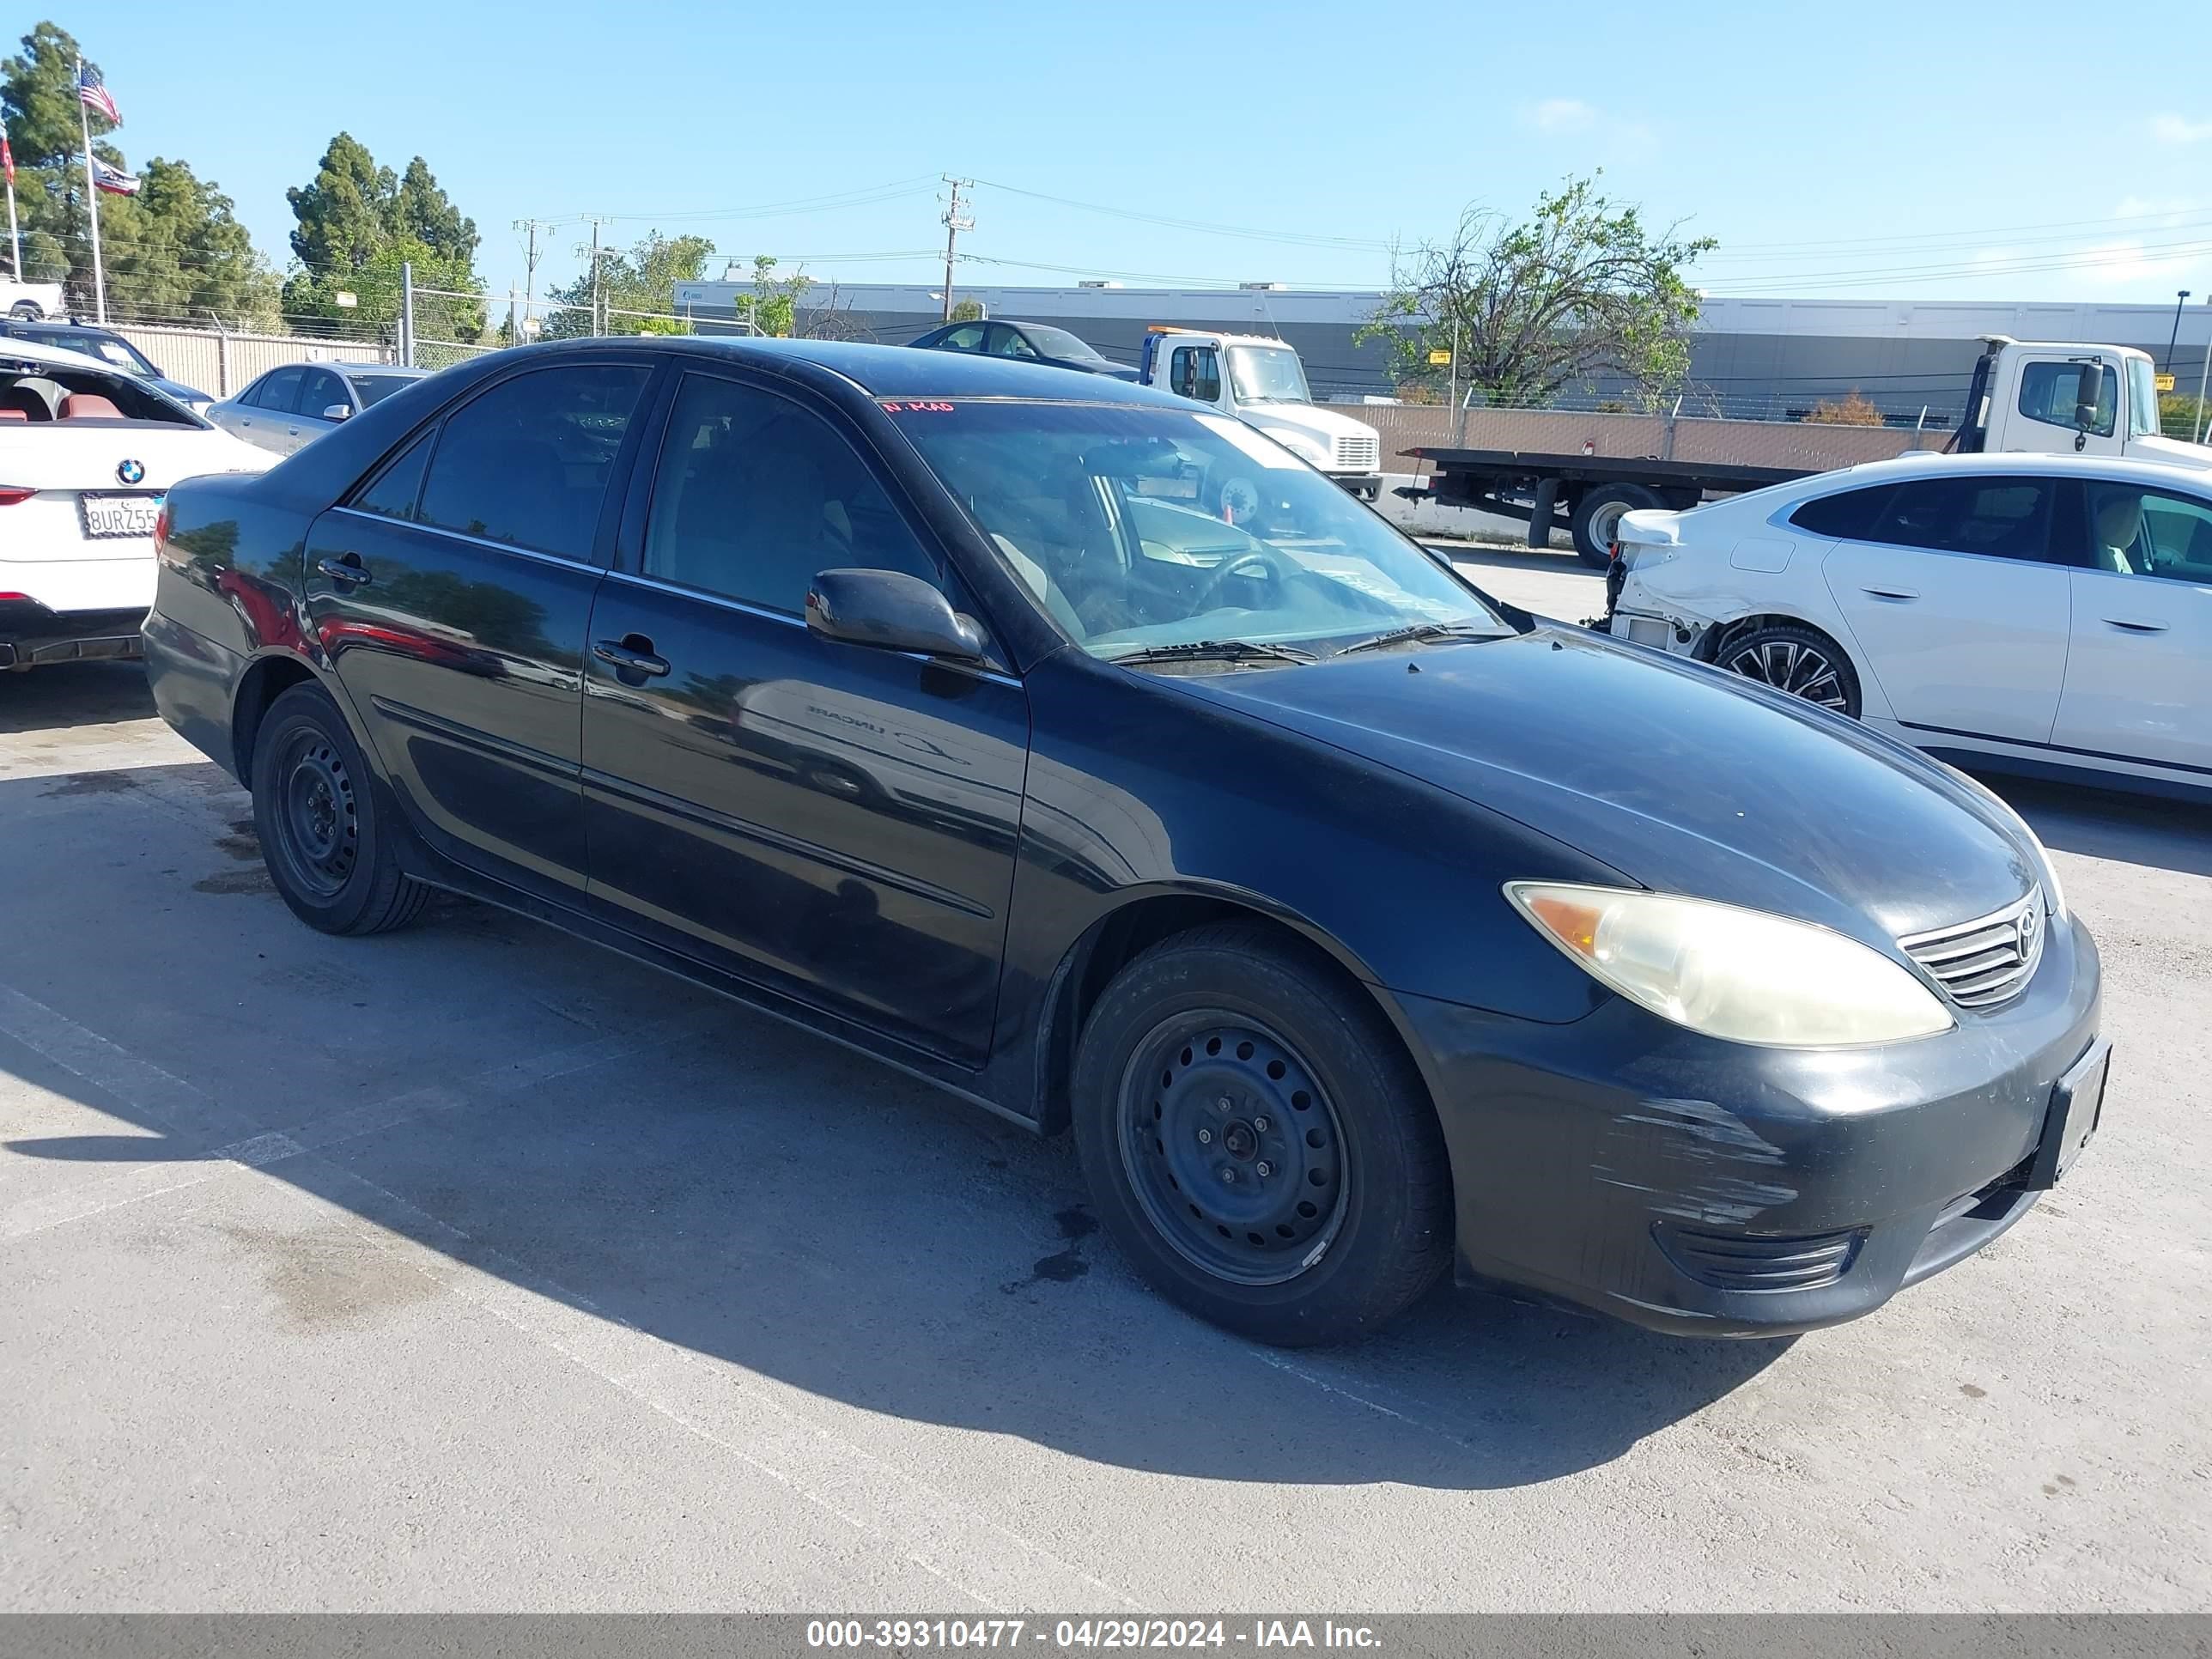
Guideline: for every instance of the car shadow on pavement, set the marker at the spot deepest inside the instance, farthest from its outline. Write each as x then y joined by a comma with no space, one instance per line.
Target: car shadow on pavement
2148,830
697,1174
73,693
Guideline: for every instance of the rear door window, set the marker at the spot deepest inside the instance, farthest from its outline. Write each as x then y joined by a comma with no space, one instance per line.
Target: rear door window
528,462
1850,516
2005,518
968,336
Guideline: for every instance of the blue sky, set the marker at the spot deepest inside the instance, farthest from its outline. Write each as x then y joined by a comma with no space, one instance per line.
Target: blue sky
1964,150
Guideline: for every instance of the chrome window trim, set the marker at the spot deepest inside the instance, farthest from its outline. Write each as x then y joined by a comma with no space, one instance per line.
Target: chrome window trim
474,541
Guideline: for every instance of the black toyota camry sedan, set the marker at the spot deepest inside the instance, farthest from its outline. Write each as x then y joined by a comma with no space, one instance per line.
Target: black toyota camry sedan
1355,925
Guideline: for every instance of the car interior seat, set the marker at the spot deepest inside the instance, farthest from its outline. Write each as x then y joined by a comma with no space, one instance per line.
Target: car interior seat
2119,523
25,402
89,406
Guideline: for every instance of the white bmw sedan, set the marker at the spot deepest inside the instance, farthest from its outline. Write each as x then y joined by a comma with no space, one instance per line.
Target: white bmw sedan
86,454
2026,612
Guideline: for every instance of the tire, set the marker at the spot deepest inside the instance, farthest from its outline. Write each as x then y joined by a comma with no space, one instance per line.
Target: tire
331,860
26,311
1797,660
1353,1219
1597,513
1237,498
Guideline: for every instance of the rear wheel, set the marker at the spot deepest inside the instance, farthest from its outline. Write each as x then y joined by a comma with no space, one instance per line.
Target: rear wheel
330,858
1802,661
1597,516
1257,1143
25,311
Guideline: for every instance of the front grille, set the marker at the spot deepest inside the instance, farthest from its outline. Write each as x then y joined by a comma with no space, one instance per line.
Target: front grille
1358,454
1740,1262
1989,960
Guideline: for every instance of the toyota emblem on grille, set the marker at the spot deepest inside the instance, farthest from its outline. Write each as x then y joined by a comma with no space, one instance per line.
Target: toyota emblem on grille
2031,924
130,472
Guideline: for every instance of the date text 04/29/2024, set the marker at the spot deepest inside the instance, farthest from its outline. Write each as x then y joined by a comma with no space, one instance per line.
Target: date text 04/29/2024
1084,1634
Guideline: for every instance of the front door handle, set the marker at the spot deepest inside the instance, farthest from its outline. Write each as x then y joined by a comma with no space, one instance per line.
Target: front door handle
1892,593
347,572
2136,627
631,655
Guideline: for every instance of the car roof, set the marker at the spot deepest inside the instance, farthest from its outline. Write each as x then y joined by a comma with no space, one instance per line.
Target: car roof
1926,466
884,371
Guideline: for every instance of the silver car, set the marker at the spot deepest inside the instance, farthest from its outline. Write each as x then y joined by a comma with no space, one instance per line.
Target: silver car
290,407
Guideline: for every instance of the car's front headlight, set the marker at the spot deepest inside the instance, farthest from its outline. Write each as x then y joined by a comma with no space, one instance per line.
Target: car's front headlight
1741,975
1315,451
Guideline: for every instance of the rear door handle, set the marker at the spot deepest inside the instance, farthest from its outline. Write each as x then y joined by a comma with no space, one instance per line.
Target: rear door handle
1892,592
347,572
632,654
2136,627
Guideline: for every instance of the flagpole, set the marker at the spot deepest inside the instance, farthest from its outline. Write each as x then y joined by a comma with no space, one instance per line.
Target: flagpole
91,200
15,238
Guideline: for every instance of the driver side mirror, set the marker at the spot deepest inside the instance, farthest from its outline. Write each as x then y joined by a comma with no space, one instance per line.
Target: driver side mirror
337,412
893,612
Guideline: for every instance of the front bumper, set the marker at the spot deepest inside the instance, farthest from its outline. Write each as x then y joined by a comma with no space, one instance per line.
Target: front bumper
1711,1189
31,636
1368,485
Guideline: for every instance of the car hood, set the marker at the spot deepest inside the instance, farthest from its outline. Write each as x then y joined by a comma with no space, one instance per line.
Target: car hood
1323,423
1683,781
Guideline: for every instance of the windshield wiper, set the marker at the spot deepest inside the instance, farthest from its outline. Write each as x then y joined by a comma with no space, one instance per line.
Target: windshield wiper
1219,651
1421,631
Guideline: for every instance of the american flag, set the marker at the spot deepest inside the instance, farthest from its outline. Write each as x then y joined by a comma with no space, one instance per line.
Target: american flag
115,180
92,91
6,155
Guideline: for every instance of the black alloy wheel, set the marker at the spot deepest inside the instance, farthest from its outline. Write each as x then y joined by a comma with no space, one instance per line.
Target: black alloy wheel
1798,661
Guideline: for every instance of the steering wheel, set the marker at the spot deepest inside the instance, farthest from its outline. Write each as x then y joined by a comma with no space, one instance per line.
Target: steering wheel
1273,564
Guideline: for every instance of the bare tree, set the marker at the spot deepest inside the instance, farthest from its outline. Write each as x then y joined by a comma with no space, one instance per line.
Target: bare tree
1580,289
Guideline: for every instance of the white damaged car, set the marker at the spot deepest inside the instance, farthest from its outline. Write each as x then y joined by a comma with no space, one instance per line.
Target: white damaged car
86,454
2030,613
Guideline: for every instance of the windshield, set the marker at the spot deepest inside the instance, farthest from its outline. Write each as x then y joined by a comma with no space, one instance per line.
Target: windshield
1267,375
104,347
376,388
1059,342
1142,528
2142,398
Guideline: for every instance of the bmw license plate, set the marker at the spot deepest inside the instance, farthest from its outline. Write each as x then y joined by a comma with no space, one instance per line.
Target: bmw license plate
120,515
2076,1103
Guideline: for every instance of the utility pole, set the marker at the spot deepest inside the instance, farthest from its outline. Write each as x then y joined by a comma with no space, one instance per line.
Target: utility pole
2198,428
529,269
597,329
955,222
2180,299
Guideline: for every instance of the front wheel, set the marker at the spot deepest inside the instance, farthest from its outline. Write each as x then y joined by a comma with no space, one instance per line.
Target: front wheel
327,851
1257,1143
1802,661
25,311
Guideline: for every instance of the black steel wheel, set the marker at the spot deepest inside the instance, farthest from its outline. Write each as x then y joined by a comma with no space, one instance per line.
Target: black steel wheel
1233,1146
1257,1141
318,816
315,810
1802,662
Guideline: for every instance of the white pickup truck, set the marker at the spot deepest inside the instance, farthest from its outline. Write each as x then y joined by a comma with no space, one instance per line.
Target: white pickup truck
30,302
1261,382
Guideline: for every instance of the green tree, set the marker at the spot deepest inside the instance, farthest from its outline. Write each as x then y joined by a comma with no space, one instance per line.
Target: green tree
1582,288
967,311
174,252
639,279
358,225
